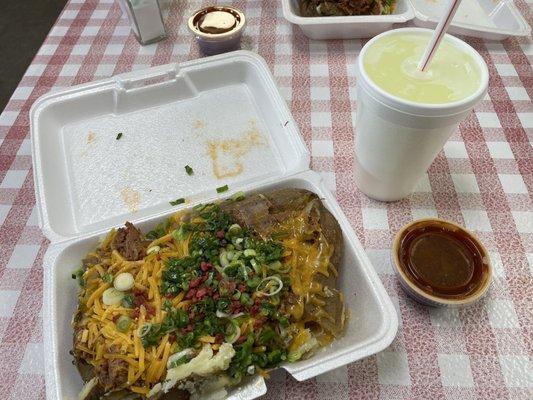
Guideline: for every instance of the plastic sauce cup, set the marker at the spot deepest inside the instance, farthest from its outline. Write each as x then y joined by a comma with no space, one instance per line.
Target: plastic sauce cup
398,139
218,39
441,264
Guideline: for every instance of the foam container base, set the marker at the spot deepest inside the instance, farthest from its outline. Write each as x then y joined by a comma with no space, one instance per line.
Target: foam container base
346,27
371,326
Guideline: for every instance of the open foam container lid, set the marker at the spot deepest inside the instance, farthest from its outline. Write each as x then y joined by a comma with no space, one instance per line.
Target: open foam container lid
116,150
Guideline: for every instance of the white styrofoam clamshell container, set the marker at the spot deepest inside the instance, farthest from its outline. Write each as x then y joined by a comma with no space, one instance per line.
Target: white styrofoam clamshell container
486,19
231,95
348,27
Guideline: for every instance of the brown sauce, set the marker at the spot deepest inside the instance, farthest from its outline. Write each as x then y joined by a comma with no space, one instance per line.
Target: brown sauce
216,20
443,259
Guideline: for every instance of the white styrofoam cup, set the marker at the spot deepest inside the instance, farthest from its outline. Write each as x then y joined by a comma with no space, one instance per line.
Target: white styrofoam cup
397,139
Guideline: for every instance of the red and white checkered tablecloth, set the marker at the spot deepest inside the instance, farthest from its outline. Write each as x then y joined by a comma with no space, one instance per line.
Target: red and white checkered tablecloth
483,179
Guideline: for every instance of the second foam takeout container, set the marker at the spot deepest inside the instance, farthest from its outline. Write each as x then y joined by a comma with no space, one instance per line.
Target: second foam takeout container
488,19
221,115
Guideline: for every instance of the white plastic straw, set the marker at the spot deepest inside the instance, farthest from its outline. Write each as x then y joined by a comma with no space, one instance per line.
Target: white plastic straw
438,34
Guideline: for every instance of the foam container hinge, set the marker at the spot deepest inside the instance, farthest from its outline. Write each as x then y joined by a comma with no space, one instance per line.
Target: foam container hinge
487,19
225,92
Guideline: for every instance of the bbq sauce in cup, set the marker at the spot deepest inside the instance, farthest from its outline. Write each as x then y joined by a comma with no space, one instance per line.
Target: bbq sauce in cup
441,263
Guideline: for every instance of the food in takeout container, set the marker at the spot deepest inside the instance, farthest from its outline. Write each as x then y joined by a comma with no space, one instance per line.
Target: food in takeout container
217,29
321,20
224,118
209,297
439,263
323,8
478,18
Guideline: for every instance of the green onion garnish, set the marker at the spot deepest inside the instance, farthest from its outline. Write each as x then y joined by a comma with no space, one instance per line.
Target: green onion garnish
123,323
119,135
238,196
189,170
222,189
177,201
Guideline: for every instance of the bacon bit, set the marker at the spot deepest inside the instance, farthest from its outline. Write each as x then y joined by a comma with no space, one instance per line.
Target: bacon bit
190,294
220,234
201,292
134,313
241,339
242,287
150,309
216,296
188,328
219,276
116,317
169,296
219,337
254,309
230,286
236,307
195,282
258,323
205,266
138,292
171,338
192,314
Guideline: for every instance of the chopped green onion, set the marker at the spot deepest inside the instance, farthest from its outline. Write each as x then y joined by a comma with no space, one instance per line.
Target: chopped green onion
250,253
270,286
224,259
255,265
153,249
77,274
177,201
107,278
189,170
119,135
294,356
123,323
246,299
234,229
180,233
128,300
124,281
253,282
112,296
222,189
233,332
238,196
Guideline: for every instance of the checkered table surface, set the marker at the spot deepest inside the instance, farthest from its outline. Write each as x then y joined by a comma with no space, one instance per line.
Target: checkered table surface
483,179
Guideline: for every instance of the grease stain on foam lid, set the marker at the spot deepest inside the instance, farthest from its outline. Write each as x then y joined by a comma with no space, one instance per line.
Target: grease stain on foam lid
131,198
226,154
91,137
198,124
